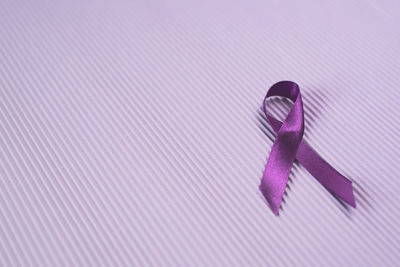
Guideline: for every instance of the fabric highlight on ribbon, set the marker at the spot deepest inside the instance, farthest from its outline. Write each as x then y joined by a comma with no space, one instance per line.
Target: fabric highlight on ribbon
289,146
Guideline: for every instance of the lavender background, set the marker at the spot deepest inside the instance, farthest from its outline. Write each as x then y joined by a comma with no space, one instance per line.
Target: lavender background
130,132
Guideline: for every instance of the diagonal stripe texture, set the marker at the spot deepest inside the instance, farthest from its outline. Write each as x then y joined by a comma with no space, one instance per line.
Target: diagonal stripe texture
130,132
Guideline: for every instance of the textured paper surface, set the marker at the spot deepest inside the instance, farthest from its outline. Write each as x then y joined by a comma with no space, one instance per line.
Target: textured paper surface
130,132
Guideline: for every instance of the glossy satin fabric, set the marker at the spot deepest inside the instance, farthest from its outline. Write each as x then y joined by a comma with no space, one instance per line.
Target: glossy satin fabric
289,146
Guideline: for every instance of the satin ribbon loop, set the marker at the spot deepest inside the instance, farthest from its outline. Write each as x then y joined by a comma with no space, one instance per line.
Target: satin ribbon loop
289,146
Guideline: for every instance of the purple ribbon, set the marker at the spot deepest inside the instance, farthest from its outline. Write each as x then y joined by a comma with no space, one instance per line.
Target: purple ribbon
289,146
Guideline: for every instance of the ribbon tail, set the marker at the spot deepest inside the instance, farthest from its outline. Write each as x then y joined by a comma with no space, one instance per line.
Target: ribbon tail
277,169
331,179
272,192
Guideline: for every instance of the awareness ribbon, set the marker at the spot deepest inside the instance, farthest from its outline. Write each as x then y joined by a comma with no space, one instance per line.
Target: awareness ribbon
289,146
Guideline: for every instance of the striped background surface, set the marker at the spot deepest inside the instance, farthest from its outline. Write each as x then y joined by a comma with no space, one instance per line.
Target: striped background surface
131,133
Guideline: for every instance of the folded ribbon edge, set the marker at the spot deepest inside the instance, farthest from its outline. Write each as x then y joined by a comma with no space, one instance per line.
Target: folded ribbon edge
273,188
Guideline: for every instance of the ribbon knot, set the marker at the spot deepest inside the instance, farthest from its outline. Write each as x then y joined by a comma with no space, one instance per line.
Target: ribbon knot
289,146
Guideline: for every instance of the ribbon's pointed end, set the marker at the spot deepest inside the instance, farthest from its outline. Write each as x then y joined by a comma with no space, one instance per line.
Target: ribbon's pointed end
347,194
352,200
273,202
275,209
353,204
